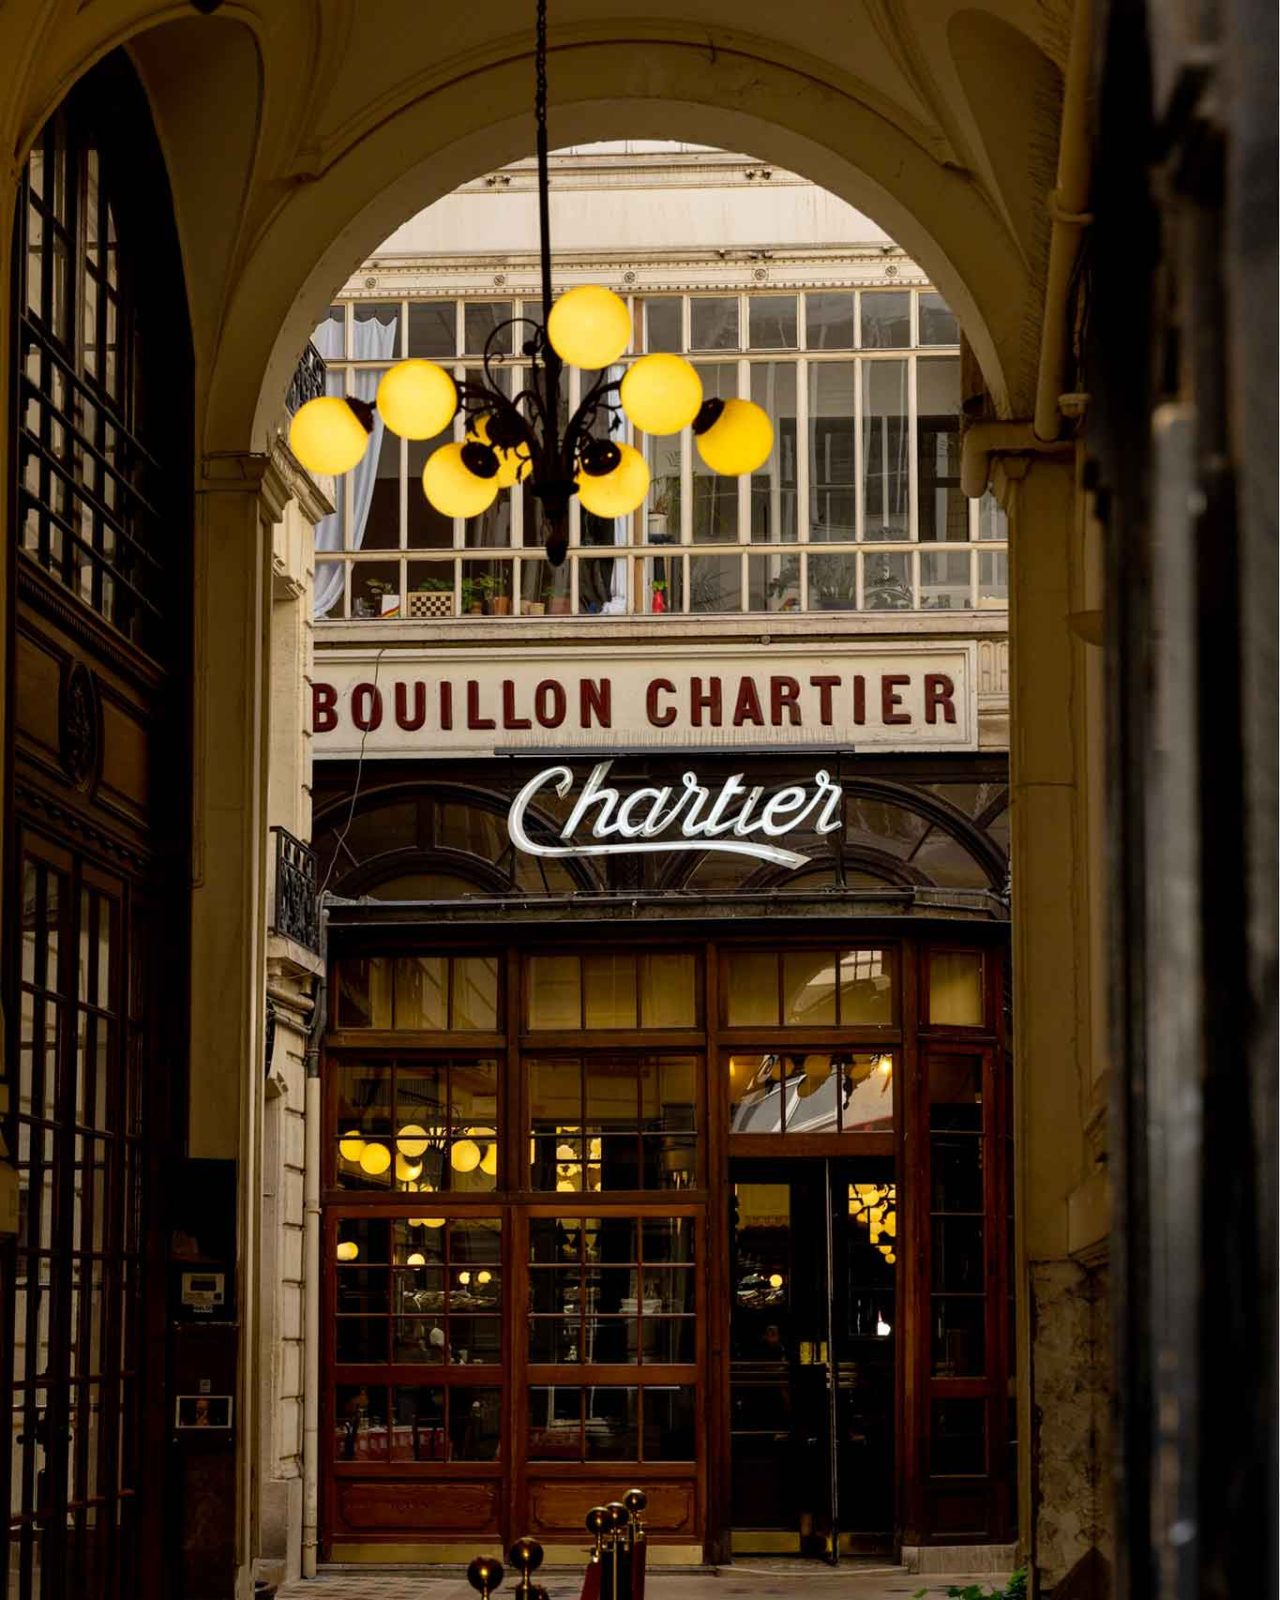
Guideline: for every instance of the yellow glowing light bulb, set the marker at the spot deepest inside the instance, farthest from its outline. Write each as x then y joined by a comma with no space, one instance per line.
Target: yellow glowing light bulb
465,1156
417,399
738,440
661,393
885,1064
775,1280
351,1146
489,1161
452,488
375,1159
513,465
616,493
589,326
484,1277
416,1259
347,1250
407,1171
412,1140
327,436
433,1222
464,1278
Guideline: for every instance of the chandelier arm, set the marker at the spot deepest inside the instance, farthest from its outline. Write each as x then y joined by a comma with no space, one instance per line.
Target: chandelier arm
478,398
582,419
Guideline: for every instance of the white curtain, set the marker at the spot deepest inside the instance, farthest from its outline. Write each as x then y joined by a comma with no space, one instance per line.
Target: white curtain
370,341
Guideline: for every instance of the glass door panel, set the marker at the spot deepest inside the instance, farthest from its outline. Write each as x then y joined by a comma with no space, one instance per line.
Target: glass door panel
812,1342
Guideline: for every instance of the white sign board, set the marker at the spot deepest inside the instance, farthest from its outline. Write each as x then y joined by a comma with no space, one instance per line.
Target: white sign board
615,699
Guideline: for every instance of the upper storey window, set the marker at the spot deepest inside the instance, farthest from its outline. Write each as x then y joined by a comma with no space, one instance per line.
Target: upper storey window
101,355
858,508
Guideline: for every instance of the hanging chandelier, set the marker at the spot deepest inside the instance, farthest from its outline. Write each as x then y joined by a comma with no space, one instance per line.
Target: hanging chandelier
509,441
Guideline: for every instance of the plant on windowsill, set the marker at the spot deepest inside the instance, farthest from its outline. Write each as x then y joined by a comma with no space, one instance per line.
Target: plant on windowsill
497,603
785,586
664,509
472,598
658,596
557,599
373,606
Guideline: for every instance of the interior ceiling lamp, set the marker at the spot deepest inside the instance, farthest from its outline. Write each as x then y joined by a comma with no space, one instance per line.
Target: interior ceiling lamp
513,440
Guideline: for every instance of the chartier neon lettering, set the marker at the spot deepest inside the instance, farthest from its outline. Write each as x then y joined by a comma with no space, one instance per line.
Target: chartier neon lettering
704,825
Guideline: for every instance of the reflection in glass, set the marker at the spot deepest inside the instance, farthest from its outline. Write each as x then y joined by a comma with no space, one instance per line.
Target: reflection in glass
943,509
886,472
771,322
713,322
832,453
955,988
886,319
813,1092
829,321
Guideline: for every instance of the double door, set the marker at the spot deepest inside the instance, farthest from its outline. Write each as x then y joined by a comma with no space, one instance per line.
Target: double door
813,1339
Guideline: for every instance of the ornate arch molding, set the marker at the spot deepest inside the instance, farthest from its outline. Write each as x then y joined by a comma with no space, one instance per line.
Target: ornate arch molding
670,88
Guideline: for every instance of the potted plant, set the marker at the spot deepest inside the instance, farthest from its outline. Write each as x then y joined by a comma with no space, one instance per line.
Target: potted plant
658,596
664,508
496,602
472,597
373,606
786,583
558,599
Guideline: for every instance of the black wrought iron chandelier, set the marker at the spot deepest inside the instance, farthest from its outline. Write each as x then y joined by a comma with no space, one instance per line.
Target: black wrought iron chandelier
511,440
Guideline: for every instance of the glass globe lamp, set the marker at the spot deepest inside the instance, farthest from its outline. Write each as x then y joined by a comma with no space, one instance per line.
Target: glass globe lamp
417,399
733,436
589,327
661,393
330,434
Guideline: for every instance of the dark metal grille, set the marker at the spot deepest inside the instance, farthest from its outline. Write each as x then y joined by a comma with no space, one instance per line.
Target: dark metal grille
297,908
89,490
308,380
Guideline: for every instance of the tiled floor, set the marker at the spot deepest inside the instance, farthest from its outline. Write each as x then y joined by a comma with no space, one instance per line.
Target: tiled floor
747,1580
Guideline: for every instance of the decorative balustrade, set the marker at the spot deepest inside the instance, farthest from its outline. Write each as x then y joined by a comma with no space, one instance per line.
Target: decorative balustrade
307,382
296,909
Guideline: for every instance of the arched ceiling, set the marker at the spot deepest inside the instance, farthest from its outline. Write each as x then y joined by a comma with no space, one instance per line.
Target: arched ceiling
299,133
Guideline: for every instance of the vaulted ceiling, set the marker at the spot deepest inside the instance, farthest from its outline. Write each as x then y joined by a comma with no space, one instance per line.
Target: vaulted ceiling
299,133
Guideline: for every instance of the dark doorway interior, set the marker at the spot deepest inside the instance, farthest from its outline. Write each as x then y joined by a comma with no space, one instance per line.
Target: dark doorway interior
813,1335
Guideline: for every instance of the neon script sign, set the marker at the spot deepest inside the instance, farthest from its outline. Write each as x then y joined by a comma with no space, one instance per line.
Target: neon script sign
735,820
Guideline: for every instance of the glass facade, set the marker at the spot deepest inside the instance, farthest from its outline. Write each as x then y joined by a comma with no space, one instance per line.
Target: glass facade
531,1203
857,509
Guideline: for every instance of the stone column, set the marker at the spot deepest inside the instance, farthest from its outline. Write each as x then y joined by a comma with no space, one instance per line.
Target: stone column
1059,1074
239,497
293,971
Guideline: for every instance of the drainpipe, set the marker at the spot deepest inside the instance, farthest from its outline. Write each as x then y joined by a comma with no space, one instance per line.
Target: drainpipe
1068,220
311,1268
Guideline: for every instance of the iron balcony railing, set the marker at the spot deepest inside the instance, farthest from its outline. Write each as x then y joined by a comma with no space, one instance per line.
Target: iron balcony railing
308,380
296,913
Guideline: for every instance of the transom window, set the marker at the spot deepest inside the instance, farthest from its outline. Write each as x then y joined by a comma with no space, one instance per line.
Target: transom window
810,988
571,992
430,993
859,507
